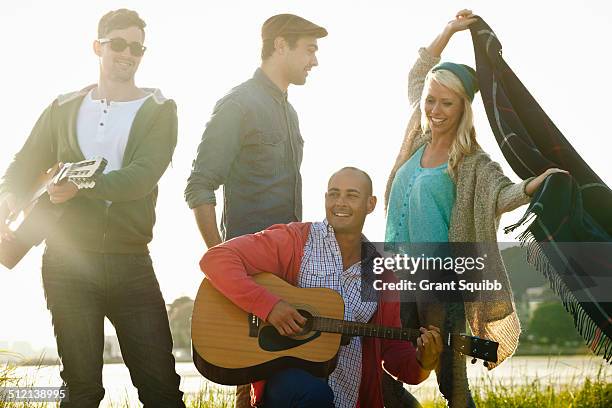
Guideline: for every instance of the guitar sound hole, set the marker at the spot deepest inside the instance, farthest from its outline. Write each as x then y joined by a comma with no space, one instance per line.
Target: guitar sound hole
270,340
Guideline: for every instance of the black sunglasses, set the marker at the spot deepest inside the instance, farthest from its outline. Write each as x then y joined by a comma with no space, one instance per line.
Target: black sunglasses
119,44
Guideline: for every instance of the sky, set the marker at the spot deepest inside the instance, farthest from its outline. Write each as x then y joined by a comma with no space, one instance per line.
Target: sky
352,110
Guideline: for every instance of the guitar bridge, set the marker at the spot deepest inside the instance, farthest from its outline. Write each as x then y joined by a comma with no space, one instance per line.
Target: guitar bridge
254,324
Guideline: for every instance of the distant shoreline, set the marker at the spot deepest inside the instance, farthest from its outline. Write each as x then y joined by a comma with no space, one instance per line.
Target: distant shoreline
528,350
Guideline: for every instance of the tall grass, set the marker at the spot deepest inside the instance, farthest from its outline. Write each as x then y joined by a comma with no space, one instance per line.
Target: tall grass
9,378
209,397
594,392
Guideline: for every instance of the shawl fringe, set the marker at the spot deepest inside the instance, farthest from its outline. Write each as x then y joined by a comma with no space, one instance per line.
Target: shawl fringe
594,339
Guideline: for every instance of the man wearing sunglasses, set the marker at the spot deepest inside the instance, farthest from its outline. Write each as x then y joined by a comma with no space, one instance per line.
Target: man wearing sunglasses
96,262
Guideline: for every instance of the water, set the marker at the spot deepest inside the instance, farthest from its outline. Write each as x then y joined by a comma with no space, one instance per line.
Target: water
514,372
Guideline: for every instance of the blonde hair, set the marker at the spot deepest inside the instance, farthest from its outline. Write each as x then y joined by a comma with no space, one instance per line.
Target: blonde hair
465,141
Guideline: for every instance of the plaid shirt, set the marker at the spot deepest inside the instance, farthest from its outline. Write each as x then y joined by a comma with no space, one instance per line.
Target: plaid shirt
322,267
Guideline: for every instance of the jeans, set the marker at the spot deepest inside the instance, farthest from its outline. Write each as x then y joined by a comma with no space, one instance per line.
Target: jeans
295,388
82,288
451,371
395,395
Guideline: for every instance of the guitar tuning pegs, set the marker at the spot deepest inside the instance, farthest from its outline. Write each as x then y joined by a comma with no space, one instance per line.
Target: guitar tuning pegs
474,360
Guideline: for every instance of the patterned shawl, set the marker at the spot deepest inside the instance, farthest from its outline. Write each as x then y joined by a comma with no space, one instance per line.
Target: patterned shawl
566,212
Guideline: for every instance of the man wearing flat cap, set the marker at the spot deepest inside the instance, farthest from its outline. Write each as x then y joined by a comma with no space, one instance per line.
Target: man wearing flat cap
252,143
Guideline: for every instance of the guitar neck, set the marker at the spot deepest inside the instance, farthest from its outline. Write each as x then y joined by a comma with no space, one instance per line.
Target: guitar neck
328,325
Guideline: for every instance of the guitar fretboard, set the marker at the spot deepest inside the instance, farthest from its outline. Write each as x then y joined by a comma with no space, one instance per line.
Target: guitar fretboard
328,325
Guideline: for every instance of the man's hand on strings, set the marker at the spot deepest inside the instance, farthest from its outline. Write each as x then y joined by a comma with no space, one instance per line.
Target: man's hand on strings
286,319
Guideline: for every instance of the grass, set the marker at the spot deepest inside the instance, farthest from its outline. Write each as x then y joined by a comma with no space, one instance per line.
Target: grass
595,392
8,378
209,398
579,393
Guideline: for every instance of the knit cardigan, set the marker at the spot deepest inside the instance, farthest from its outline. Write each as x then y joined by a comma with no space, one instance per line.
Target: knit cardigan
483,194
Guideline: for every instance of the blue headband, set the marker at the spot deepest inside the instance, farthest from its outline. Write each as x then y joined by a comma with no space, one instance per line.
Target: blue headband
466,75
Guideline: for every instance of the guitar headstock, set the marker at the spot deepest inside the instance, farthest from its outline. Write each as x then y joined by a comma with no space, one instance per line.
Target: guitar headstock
474,347
83,173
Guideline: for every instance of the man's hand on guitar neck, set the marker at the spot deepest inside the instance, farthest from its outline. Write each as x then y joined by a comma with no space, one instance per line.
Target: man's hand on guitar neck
429,347
60,193
7,207
286,319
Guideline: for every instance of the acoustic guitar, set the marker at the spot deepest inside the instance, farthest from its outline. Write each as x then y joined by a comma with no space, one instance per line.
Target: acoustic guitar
232,347
36,215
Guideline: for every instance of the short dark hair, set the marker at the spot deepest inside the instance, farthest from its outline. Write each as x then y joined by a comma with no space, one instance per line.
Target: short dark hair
367,176
267,47
118,20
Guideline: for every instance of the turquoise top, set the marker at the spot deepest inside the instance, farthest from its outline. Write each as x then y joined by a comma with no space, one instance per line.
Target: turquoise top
420,203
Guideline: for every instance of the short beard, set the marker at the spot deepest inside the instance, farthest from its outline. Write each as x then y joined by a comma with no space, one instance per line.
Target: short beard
121,76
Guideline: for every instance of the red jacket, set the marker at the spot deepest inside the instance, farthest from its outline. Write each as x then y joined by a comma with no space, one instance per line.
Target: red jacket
279,250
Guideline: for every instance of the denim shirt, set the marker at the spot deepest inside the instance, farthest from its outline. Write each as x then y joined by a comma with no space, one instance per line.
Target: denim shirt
253,147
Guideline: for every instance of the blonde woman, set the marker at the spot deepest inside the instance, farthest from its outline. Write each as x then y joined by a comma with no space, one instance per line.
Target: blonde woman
444,188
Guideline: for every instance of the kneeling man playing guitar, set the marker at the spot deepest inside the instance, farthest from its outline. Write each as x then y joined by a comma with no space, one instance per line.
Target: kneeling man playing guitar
237,296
